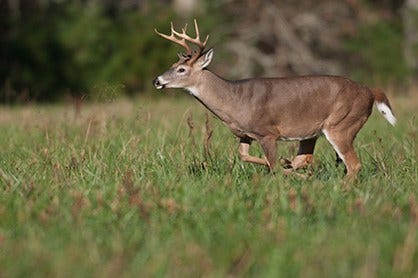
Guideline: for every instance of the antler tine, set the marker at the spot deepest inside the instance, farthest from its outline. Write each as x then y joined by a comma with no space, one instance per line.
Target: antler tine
173,38
184,29
198,34
197,40
206,40
196,28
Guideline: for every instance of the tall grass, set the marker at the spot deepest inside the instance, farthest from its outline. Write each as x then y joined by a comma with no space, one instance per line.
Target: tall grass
151,187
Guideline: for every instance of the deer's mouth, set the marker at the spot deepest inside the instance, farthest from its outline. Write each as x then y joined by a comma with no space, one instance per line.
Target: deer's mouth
158,83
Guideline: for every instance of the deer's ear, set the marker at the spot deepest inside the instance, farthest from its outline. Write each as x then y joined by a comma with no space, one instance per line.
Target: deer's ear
205,59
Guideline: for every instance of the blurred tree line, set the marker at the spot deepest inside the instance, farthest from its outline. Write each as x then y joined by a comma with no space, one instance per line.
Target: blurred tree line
100,49
55,48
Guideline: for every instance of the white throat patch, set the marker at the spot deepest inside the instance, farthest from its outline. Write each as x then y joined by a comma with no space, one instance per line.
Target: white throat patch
193,91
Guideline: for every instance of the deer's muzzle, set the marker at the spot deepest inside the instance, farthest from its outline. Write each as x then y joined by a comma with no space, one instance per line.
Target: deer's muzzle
158,84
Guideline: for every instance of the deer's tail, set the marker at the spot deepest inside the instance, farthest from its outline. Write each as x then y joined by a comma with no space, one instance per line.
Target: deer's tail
383,105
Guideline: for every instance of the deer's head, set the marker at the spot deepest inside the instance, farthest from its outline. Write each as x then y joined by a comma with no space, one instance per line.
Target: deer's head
185,73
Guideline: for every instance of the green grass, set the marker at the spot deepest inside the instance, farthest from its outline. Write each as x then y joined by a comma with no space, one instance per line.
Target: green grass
126,189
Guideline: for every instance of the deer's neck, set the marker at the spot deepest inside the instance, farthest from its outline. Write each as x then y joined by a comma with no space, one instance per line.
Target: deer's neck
216,94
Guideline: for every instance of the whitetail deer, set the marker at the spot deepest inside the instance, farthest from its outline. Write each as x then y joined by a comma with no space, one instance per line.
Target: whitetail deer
270,109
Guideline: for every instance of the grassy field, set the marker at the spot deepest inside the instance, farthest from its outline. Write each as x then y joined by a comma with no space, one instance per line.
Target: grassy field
139,188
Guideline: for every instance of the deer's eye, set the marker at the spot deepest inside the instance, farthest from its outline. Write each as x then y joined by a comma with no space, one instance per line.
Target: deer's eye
181,70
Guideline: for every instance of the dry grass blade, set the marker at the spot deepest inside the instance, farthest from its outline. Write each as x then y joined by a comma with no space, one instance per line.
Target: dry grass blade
208,136
190,124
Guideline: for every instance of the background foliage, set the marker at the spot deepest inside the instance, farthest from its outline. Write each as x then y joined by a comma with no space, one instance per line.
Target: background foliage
101,49
377,54
67,47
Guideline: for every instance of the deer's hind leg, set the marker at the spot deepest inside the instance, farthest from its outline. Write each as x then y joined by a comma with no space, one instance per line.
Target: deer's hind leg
341,129
342,142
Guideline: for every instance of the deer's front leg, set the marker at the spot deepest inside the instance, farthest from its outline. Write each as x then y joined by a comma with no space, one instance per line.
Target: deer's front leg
269,147
244,147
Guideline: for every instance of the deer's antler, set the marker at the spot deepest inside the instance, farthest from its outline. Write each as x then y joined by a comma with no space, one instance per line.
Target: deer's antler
182,39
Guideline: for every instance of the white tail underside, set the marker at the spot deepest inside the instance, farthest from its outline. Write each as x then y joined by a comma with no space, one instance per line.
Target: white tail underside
386,112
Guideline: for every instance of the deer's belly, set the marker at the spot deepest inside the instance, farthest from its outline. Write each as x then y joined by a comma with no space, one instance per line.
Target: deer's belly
301,130
299,138
295,132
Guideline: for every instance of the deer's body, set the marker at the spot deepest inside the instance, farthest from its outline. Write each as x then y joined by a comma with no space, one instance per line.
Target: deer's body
296,108
271,109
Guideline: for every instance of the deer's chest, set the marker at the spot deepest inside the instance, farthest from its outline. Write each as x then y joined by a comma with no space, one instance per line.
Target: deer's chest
240,130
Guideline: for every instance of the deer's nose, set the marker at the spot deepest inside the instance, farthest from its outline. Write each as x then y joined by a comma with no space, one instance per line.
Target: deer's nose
157,83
